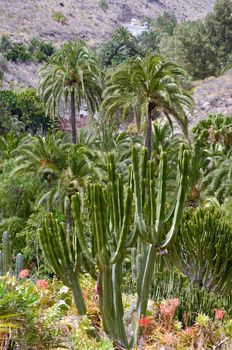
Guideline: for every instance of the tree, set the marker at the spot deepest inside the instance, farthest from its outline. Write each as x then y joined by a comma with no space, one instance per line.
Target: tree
120,47
190,47
219,28
71,74
152,84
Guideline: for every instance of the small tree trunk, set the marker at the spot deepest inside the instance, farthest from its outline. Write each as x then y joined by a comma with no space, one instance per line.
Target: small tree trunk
149,129
73,118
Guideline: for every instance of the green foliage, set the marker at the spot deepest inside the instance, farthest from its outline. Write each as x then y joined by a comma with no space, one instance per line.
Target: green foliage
121,47
214,131
203,249
35,311
103,4
26,106
109,212
190,47
71,75
59,17
36,50
40,49
219,29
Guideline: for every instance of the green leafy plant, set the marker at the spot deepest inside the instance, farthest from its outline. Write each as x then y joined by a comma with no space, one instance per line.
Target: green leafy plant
59,17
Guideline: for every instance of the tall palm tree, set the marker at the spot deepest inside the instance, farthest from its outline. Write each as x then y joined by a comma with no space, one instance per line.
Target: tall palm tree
152,85
71,74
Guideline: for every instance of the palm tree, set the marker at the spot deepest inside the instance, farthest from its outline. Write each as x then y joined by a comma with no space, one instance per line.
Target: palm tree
152,85
71,74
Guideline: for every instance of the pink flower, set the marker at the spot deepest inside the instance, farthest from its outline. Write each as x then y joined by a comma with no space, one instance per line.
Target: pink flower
168,309
42,284
189,331
169,339
23,274
145,322
174,302
219,314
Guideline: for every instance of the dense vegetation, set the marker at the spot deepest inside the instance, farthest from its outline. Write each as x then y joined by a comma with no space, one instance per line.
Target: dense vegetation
118,234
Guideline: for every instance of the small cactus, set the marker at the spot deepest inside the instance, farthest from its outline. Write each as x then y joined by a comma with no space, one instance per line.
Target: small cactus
6,252
19,264
1,263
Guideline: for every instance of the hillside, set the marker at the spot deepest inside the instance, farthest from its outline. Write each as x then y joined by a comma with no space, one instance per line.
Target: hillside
85,19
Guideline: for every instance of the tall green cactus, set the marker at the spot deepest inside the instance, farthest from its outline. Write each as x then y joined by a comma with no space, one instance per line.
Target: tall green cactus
1,264
18,264
121,218
6,252
6,258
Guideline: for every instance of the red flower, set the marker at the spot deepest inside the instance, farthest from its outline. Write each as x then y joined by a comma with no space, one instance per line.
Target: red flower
219,314
42,284
145,322
23,274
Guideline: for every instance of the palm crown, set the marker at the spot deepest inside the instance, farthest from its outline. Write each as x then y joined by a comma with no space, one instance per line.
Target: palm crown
151,86
71,74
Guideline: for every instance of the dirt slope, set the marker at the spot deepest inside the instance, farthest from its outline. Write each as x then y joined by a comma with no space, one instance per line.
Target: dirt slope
23,19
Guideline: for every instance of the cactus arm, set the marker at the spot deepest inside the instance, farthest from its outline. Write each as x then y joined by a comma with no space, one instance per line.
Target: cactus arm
76,211
138,192
125,226
161,194
117,302
171,235
47,247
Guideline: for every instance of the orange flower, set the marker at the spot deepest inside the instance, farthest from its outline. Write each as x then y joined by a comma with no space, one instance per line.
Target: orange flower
42,284
145,322
219,314
23,274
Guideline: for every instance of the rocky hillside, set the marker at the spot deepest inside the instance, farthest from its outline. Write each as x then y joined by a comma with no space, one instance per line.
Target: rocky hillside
86,19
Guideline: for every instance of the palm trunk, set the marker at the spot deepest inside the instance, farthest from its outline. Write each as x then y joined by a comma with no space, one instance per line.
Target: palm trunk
149,130
73,118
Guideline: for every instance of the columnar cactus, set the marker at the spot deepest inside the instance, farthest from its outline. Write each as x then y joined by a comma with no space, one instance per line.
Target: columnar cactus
62,254
121,218
6,259
6,252
18,264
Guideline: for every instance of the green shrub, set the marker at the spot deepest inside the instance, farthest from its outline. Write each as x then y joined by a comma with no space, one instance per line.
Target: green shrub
103,4
59,17
18,53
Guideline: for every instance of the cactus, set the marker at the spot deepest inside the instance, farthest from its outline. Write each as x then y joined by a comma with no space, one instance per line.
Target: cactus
122,218
204,236
19,264
62,254
6,259
6,252
1,263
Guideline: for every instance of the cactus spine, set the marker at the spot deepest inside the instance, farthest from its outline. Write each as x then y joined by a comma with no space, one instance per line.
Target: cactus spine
121,218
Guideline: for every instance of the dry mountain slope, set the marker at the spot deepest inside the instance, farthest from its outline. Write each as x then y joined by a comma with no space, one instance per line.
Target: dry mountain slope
85,19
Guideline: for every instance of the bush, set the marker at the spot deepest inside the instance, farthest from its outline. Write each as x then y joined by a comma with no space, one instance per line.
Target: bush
37,50
59,17
103,4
